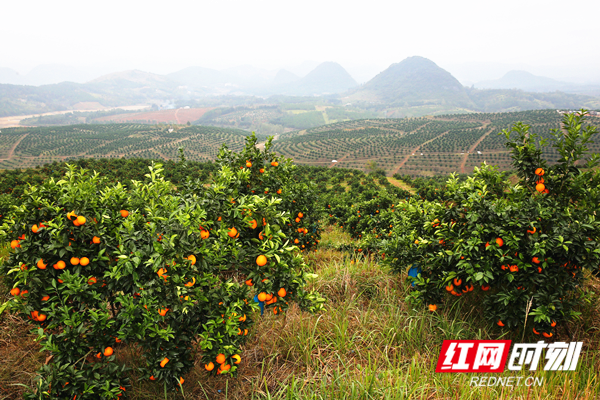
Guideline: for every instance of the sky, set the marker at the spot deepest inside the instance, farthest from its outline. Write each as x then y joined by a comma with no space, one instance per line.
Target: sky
472,39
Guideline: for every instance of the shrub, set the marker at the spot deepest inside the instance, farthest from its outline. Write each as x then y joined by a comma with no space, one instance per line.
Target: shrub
524,246
172,272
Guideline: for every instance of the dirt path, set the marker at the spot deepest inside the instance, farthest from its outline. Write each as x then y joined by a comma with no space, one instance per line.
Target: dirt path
472,148
339,161
261,145
12,150
177,117
401,184
414,151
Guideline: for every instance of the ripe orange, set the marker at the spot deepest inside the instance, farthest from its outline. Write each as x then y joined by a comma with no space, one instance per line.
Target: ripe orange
514,268
278,191
539,270
296,241
262,296
237,358
297,219
46,298
500,242
253,224
536,332
262,170
71,214
540,187
300,215
548,335
60,265
15,292
92,281
281,292
220,358
204,234
124,213
96,240
164,362
500,323
532,231
457,281
34,229
181,380
539,172
84,261
274,163
210,366
152,378
432,307
81,220
261,260
74,261
249,282
108,352
535,260
190,284
14,244
192,258
449,288
248,164
226,367
41,265
553,324
485,288
162,311
41,317
232,232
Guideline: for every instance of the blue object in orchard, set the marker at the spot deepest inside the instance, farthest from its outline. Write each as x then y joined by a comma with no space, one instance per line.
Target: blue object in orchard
413,271
261,304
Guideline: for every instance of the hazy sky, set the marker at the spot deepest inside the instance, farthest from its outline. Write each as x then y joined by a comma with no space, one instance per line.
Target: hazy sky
557,37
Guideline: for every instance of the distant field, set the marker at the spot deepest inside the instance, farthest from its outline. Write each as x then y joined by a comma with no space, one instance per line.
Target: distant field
418,146
30,147
424,146
177,116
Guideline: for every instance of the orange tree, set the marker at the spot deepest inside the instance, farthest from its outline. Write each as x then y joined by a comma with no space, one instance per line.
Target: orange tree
524,246
273,176
170,272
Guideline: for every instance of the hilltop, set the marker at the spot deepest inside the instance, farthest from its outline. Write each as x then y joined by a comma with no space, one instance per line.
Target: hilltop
415,81
417,87
524,80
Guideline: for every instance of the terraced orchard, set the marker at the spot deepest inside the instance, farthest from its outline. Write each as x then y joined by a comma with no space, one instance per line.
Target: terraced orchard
418,146
29,147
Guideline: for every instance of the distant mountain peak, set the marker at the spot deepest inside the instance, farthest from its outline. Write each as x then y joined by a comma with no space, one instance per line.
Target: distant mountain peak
284,76
524,80
414,81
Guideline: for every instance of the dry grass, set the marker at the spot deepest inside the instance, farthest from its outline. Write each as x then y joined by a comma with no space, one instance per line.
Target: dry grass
368,344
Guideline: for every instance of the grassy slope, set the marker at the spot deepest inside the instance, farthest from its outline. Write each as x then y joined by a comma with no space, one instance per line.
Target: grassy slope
369,344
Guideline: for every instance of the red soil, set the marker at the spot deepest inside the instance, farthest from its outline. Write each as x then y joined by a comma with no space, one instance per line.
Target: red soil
179,116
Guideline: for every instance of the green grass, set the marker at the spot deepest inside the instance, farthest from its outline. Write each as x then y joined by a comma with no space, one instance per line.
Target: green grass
368,344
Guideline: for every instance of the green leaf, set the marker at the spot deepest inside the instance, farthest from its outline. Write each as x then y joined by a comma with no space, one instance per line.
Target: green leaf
3,307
